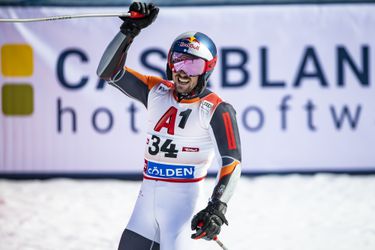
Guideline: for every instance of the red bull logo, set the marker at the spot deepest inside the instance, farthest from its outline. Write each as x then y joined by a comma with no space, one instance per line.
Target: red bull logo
191,43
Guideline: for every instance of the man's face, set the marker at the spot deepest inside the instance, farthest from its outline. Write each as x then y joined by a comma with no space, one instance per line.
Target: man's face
186,71
184,84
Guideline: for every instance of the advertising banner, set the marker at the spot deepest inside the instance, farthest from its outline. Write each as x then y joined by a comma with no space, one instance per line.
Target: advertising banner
301,79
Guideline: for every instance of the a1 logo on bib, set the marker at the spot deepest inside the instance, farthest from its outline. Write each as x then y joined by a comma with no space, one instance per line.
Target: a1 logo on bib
168,120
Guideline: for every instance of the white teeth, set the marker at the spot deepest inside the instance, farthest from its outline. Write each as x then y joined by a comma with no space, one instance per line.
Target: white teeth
182,80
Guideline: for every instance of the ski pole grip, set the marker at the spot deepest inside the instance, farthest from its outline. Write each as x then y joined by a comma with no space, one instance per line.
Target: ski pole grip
134,14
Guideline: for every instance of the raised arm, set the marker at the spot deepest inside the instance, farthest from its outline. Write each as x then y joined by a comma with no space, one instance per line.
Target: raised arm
114,56
111,66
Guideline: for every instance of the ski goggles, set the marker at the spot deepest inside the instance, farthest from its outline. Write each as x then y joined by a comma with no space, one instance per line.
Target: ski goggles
191,65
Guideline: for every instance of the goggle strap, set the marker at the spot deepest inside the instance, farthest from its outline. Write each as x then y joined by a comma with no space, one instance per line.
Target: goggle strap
210,65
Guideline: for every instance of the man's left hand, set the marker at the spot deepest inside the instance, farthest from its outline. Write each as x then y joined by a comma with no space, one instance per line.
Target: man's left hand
208,222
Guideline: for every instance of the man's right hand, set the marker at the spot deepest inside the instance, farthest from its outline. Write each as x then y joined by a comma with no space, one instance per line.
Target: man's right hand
133,25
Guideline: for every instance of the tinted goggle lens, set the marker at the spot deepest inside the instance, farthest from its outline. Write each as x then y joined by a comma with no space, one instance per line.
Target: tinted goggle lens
192,66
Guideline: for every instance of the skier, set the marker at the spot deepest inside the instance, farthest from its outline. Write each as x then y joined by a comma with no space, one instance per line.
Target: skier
187,127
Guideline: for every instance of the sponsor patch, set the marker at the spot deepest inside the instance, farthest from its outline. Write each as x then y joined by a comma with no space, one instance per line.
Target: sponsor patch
190,149
206,105
221,189
162,89
189,45
169,171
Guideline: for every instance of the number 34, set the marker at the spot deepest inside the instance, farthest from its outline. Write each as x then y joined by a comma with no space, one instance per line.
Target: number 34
167,147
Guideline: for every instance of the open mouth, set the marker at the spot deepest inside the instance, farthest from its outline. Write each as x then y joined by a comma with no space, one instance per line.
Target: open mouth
183,80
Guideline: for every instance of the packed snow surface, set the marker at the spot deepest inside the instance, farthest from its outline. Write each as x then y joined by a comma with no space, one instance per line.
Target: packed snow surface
321,212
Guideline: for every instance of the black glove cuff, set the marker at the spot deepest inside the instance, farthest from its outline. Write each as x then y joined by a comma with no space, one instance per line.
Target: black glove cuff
218,208
130,29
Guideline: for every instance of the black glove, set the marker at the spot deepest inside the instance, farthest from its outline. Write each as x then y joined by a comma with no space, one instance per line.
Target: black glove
132,26
209,221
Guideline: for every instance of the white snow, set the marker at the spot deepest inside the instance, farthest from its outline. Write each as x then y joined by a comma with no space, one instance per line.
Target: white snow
321,212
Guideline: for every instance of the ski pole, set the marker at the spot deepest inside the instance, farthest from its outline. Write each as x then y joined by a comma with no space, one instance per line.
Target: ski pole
216,239
131,14
220,243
